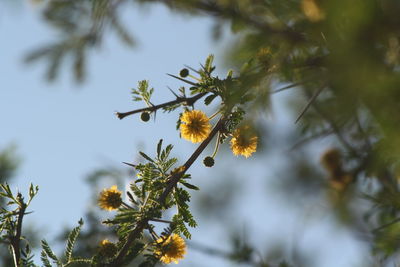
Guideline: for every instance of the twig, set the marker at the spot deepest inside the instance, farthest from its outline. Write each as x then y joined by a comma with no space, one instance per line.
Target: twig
159,220
312,99
189,100
321,134
336,130
386,225
219,11
209,251
175,178
286,87
142,224
15,240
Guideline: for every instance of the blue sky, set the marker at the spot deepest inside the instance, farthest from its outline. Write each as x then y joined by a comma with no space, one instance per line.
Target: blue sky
63,130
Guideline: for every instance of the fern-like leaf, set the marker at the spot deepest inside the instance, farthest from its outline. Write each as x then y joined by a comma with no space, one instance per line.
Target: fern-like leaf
45,259
46,249
71,240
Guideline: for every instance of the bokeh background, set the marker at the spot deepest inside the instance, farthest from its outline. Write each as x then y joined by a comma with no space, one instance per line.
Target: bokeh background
63,132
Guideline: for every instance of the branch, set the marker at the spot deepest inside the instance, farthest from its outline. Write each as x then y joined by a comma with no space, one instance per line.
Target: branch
15,240
386,225
219,11
189,100
312,99
335,128
141,225
175,179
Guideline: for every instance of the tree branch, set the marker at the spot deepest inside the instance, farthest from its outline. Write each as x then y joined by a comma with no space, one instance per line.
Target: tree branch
189,100
15,240
219,11
141,225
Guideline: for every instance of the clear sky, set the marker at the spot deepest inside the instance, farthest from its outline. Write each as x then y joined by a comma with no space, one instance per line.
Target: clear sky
64,130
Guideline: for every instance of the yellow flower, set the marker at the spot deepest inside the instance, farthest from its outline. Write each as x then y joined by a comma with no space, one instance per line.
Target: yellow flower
312,11
196,126
110,199
340,182
332,160
171,249
177,170
243,142
107,249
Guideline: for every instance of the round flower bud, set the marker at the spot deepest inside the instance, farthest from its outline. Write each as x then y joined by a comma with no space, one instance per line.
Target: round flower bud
184,73
208,161
145,116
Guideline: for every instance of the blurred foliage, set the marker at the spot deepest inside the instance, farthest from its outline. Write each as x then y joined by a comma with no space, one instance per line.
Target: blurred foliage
81,25
9,162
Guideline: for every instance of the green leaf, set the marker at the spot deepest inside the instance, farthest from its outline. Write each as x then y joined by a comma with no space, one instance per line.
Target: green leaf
45,259
71,240
208,65
190,186
209,99
46,248
145,156
159,145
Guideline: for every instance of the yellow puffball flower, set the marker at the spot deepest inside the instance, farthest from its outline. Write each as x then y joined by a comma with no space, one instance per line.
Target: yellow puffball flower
196,126
243,142
107,249
340,182
331,159
110,199
171,249
312,11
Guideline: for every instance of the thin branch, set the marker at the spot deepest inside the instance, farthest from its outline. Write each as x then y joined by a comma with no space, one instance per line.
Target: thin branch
159,220
286,87
336,129
209,251
219,11
386,225
312,99
189,100
312,137
15,240
142,224
175,178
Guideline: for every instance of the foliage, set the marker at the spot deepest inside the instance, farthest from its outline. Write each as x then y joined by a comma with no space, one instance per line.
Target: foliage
11,224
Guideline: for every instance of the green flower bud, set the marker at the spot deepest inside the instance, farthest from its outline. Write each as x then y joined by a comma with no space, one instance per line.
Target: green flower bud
145,116
184,73
208,161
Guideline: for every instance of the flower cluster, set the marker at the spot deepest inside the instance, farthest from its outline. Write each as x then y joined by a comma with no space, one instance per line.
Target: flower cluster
107,249
332,162
243,142
110,199
195,127
170,249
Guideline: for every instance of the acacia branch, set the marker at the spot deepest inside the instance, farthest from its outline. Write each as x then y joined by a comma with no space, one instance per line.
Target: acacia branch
335,128
15,240
141,225
312,99
189,101
229,12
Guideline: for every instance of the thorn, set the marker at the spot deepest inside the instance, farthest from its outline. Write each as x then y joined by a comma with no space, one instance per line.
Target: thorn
129,164
173,92
192,69
183,80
